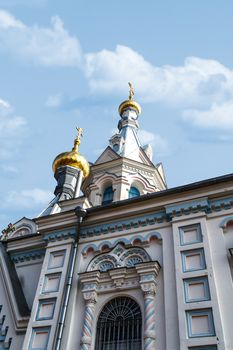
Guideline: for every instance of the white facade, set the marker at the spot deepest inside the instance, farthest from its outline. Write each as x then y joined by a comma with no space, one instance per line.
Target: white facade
169,251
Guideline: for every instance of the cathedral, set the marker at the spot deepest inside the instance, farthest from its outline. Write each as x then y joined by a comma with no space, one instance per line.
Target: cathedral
118,261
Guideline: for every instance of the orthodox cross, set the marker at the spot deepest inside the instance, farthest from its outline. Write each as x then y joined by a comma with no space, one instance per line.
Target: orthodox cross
80,132
131,90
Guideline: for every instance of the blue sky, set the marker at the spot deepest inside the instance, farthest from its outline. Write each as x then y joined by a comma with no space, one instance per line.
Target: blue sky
64,64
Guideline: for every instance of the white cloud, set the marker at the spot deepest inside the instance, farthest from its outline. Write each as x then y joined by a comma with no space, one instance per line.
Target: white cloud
8,21
48,46
5,107
199,88
160,144
30,198
219,116
186,85
54,101
10,124
12,129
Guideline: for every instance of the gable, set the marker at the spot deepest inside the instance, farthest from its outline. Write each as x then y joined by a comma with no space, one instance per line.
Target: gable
107,156
144,158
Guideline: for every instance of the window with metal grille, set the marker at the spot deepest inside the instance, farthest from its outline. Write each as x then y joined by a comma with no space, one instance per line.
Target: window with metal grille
119,326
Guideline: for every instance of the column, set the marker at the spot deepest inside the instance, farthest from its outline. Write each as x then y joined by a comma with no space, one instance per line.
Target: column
90,301
149,321
148,273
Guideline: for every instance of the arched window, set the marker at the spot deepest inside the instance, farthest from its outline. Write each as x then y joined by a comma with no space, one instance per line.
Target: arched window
119,325
108,195
133,192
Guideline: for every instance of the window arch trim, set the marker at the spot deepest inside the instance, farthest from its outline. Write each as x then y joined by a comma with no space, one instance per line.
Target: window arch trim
119,256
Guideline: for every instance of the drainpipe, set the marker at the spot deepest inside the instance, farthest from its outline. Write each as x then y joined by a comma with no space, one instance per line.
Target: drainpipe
80,213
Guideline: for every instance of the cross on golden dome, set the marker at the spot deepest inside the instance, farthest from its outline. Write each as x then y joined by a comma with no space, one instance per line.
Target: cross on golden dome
73,158
131,91
130,103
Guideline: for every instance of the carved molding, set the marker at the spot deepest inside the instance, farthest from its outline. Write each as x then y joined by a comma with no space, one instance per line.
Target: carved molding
119,257
90,297
141,276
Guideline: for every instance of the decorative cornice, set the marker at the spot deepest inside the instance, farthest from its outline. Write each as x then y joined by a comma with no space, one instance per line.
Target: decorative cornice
221,204
170,211
187,207
120,278
199,205
121,225
59,235
139,170
27,256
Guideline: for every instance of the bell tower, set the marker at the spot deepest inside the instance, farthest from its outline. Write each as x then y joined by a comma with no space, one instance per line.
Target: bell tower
125,168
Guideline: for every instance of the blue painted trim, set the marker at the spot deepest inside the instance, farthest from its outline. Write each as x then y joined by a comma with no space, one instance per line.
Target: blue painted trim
185,208
101,245
121,225
186,253
130,241
153,234
189,281
138,238
52,254
44,302
221,204
224,222
206,312
28,255
60,235
46,278
34,331
184,229
85,249
120,240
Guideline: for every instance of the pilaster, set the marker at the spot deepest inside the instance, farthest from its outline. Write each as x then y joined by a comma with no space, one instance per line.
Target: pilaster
47,304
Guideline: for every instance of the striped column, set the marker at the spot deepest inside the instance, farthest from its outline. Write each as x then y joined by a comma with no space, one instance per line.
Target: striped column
87,331
149,322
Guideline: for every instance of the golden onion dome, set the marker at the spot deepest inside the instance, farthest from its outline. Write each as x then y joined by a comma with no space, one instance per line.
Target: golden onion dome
73,158
130,103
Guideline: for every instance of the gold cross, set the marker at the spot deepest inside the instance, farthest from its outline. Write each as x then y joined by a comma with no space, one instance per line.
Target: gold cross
131,90
80,132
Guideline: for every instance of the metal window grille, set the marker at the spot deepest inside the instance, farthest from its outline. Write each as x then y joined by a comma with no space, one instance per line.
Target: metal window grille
119,326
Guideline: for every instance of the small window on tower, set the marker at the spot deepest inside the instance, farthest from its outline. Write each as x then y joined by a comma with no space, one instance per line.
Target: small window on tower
133,192
108,195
